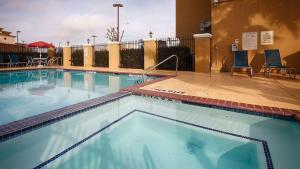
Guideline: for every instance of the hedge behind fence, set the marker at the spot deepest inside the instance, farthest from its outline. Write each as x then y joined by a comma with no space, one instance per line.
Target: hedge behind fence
101,58
77,57
132,58
185,58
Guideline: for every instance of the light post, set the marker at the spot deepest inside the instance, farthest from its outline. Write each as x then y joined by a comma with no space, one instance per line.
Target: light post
18,36
118,6
94,39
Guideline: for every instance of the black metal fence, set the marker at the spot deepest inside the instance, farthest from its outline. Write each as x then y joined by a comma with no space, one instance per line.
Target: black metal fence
184,48
77,56
101,55
132,54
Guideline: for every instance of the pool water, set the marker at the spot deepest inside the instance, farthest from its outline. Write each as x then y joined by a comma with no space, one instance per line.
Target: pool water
170,141
145,141
28,93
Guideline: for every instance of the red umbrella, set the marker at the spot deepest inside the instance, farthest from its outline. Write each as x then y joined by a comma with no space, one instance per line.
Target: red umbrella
41,44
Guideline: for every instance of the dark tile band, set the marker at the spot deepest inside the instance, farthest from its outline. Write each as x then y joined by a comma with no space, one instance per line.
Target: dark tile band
273,112
23,126
263,142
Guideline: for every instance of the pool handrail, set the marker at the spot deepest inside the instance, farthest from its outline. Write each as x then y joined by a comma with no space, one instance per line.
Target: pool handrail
155,66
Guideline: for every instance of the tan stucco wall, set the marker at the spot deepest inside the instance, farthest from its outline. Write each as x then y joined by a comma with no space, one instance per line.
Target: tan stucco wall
67,53
150,50
89,56
202,54
189,15
231,19
114,55
7,39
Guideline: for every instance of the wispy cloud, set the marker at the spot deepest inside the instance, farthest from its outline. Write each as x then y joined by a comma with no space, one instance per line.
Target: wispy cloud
75,21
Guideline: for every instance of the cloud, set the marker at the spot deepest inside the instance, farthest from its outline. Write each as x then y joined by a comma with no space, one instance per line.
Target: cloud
75,21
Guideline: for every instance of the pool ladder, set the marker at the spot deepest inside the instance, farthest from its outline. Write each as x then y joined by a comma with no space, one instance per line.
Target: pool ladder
155,66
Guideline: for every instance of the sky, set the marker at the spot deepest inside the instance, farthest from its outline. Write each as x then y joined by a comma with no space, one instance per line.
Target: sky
77,20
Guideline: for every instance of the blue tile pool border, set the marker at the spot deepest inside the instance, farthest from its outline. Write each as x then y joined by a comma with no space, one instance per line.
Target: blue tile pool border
20,127
263,142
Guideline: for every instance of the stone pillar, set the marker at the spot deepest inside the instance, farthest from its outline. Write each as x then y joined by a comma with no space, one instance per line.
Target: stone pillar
202,52
88,55
150,51
114,55
67,53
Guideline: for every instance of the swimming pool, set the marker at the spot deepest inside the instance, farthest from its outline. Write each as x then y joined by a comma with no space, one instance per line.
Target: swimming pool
28,93
141,132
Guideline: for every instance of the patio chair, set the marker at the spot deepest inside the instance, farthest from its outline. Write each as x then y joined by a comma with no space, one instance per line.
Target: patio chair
241,61
2,63
14,60
273,62
31,61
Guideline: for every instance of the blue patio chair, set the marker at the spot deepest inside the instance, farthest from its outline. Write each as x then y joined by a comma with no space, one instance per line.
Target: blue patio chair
273,62
2,63
14,60
241,61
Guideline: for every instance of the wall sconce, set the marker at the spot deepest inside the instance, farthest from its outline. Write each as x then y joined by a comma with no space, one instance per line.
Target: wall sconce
217,2
150,34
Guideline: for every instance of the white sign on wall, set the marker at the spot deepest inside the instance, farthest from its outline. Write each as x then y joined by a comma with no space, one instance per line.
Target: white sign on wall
250,41
267,37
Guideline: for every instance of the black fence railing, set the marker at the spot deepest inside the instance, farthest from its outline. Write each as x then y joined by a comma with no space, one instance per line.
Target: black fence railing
22,52
77,56
132,54
184,48
101,55
59,53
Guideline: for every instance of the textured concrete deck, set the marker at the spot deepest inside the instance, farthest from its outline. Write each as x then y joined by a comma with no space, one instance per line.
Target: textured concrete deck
273,92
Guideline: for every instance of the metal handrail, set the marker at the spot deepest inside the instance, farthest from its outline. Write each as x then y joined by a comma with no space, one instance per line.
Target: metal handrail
155,66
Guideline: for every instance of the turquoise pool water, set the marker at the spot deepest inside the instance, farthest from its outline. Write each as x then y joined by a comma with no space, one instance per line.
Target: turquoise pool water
27,93
143,141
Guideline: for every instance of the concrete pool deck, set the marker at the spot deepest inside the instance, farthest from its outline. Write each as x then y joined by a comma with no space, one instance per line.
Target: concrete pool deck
276,91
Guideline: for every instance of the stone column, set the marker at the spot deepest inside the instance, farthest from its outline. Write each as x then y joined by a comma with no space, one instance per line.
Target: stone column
114,55
67,52
88,55
202,52
150,51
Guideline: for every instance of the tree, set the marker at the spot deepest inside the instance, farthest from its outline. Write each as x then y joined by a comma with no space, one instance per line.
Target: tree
112,34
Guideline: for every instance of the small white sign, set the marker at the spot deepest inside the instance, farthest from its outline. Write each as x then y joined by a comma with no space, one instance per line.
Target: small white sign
267,37
250,41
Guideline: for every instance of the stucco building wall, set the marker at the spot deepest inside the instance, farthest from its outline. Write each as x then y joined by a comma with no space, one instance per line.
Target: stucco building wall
189,15
230,19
